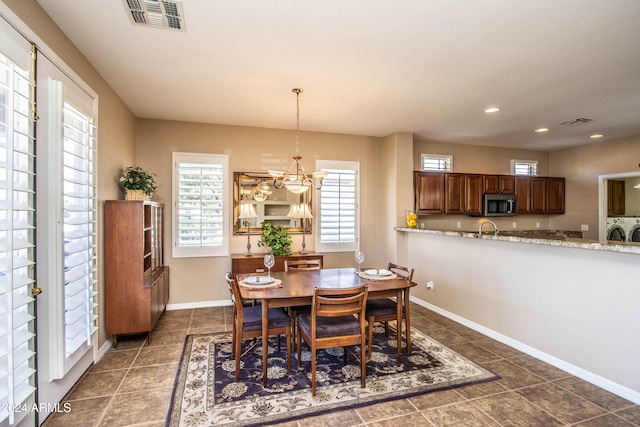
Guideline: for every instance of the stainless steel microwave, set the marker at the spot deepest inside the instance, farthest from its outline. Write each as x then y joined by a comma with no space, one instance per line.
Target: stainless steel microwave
499,204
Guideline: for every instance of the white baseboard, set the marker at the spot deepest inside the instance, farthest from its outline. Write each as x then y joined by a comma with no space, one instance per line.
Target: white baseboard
594,379
201,304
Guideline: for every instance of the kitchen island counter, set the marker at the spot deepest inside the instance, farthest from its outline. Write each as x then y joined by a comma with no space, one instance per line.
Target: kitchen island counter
568,242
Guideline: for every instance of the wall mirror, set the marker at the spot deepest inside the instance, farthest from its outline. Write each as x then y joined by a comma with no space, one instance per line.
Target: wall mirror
270,204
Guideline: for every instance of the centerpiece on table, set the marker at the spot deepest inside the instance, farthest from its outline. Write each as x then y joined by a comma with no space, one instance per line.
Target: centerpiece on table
138,183
276,238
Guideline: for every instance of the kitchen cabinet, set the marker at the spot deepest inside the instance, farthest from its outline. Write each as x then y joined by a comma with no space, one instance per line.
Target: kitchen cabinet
473,190
136,279
429,192
499,184
555,195
523,191
242,264
615,197
538,195
461,194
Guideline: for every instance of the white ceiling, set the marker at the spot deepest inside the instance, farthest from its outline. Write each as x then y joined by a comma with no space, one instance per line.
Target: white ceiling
374,67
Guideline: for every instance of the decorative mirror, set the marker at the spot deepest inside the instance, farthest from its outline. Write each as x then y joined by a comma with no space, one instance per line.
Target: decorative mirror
269,204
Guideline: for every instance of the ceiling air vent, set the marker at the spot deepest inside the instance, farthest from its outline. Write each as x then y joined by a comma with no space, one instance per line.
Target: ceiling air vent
156,13
577,121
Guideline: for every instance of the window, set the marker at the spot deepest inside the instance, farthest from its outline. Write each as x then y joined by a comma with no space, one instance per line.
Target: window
200,205
436,162
338,220
67,220
524,167
17,227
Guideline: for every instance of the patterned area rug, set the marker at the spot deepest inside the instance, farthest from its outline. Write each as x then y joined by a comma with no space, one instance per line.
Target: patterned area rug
206,393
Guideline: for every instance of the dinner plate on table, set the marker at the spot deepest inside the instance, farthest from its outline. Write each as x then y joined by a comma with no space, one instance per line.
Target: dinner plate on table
258,280
378,272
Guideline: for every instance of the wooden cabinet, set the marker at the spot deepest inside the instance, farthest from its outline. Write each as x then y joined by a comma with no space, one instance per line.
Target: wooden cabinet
461,194
499,184
448,193
473,190
555,195
136,279
454,190
428,190
615,197
241,263
538,195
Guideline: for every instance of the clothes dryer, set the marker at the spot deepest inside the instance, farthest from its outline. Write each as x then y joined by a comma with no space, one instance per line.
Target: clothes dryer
615,231
633,235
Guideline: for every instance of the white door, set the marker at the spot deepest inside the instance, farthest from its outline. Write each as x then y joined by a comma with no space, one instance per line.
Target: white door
66,234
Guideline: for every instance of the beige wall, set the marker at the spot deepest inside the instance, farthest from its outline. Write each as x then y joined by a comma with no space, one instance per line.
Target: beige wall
116,125
581,166
200,280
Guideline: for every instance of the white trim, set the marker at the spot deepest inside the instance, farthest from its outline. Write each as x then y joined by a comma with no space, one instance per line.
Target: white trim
200,304
594,379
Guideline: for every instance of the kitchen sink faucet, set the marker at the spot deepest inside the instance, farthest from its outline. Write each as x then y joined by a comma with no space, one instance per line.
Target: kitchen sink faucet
495,227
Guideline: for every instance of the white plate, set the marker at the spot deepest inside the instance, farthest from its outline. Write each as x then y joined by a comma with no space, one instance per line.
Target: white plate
258,280
377,272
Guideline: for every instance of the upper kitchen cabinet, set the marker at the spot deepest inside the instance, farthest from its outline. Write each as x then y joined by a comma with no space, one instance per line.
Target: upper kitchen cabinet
555,195
499,184
450,193
615,197
540,195
428,190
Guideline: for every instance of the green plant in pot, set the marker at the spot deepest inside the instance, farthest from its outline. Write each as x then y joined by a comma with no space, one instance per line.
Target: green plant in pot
134,178
276,238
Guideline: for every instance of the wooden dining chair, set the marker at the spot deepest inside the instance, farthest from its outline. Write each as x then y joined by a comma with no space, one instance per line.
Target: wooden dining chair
331,323
247,323
386,309
300,264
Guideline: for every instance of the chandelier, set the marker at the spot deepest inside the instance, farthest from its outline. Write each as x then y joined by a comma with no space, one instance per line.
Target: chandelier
296,179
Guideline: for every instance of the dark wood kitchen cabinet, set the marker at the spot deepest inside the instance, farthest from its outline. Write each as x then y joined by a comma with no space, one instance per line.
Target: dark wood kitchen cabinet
523,192
555,195
454,187
615,197
499,184
538,195
429,194
136,279
473,190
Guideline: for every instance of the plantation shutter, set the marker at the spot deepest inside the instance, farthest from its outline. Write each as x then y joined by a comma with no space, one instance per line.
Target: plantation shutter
200,209
17,226
338,219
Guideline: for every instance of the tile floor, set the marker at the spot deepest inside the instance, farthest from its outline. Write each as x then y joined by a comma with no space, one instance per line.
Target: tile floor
132,385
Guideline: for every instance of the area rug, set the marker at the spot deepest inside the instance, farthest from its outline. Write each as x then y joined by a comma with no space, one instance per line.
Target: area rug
206,392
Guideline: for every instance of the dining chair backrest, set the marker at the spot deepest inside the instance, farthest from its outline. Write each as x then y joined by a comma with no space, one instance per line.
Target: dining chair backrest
236,298
400,270
330,302
302,264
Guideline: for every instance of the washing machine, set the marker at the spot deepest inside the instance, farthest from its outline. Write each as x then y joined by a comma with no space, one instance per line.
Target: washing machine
615,230
633,232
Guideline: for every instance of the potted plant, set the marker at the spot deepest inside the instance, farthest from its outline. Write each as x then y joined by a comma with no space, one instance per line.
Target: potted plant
138,183
276,238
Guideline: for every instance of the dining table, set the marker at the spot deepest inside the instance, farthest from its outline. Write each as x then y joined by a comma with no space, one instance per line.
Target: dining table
296,288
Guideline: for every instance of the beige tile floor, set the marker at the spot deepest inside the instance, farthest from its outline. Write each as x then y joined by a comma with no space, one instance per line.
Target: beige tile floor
131,385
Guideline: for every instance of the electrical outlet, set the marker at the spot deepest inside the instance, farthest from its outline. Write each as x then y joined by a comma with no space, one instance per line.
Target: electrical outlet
537,225
514,224
430,284
459,224
584,227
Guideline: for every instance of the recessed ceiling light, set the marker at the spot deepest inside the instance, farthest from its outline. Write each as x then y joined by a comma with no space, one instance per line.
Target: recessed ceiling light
596,136
540,130
492,110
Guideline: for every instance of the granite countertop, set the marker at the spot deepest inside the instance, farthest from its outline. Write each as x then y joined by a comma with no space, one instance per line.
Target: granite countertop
536,237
